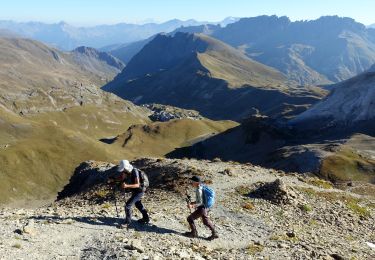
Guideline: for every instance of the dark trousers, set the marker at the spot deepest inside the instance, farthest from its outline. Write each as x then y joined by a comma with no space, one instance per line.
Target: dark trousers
135,199
200,212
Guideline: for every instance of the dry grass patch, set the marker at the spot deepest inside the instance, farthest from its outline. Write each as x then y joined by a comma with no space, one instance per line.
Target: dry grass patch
320,183
243,190
254,249
347,165
350,202
248,205
353,205
101,194
106,206
306,207
17,245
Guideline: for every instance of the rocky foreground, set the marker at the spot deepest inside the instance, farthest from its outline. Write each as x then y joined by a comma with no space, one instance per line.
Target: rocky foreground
260,214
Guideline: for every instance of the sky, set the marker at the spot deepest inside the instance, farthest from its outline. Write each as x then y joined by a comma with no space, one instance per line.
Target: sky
93,12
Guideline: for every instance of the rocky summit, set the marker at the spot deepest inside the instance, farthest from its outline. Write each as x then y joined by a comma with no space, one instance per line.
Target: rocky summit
259,214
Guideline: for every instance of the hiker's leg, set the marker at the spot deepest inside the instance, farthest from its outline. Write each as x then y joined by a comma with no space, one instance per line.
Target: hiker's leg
193,216
128,207
206,221
141,208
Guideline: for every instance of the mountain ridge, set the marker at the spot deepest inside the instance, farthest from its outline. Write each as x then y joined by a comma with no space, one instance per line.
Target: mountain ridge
331,38
34,75
297,48
206,74
68,37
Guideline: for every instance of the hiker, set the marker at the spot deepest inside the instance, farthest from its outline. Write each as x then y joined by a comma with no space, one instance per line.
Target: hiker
138,184
204,201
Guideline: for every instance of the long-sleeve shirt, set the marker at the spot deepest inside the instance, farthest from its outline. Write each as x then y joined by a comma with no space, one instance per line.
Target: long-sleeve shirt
199,196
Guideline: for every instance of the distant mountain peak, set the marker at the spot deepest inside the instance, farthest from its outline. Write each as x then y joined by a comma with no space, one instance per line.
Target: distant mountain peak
86,50
99,55
266,18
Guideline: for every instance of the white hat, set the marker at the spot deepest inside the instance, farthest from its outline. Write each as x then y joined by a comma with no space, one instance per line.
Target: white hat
124,165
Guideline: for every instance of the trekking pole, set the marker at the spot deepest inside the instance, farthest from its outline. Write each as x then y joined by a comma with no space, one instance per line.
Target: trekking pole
188,199
114,195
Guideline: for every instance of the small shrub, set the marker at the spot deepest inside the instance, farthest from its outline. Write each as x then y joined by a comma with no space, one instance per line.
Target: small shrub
248,206
275,237
106,206
243,190
320,183
17,245
254,249
284,237
306,207
353,205
217,159
101,194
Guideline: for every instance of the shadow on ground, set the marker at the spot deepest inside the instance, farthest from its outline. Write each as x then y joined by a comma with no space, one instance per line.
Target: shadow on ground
106,221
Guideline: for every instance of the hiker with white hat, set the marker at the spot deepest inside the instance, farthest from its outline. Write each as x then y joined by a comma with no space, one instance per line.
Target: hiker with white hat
138,184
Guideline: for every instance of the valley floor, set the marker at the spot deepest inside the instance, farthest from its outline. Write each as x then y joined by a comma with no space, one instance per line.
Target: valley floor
307,219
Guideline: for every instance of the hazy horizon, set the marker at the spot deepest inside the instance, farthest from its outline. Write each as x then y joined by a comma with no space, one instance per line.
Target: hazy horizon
153,21
86,13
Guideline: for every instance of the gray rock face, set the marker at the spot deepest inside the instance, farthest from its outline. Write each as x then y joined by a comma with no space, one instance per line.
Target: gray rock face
350,102
165,113
102,56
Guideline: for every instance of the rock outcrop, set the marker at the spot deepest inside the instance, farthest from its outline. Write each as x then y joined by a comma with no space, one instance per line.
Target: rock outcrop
164,113
276,192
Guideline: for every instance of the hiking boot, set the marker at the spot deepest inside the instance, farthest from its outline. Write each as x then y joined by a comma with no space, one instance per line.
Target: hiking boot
213,236
191,234
122,226
143,220
125,224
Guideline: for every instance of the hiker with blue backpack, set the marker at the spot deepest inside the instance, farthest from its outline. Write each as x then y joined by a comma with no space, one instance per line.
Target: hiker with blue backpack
205,198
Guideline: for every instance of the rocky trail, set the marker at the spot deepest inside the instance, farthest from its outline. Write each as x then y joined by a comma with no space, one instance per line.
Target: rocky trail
259,214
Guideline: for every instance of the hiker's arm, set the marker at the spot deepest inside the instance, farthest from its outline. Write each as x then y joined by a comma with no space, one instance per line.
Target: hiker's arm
116,178
132,186
192,205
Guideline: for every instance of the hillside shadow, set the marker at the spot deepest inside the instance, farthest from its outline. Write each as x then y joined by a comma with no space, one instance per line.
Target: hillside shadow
271,143
107,221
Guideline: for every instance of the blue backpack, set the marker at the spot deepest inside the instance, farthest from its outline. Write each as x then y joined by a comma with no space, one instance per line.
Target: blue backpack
208,196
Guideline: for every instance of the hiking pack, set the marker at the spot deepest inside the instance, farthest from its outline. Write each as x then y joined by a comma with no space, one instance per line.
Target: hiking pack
143,179
208,196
